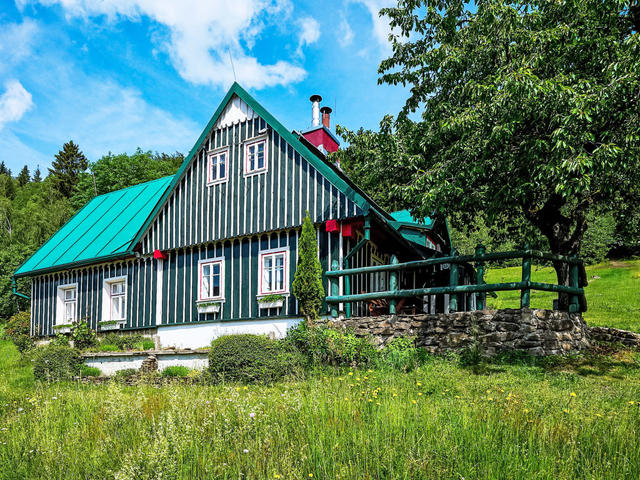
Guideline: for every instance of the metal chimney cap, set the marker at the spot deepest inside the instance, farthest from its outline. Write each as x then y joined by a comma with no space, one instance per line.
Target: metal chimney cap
326,110
315,98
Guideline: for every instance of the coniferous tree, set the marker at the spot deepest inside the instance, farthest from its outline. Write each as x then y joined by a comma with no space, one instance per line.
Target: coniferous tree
3,169
70,162
23,177
37,177
307,282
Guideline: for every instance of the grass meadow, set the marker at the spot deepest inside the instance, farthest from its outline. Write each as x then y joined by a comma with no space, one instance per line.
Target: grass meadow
562,418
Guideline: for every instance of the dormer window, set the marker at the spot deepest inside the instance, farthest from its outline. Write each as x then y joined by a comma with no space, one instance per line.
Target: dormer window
218,166
255,157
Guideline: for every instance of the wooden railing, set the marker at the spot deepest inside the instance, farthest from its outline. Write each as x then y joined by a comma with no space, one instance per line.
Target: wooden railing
480,288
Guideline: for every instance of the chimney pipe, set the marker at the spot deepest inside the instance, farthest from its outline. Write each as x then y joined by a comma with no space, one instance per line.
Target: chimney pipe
326,116
315,110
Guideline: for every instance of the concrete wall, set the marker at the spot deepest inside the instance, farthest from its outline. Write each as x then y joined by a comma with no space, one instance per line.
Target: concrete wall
110,363
537,332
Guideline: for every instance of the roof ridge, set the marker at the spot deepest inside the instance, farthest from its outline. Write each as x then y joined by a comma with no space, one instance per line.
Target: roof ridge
133,186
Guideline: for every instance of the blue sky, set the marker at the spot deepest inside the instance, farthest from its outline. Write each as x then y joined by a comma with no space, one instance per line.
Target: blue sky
114,75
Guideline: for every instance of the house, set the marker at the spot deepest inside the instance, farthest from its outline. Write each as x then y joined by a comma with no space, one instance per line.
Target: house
212,250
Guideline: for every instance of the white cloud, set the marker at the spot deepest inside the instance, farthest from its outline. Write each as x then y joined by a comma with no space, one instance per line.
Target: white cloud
381,27
346,33
14,102
201,35
309,32
16,42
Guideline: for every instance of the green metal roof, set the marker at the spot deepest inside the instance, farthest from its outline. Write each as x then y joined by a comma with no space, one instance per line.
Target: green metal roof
104,228
405,217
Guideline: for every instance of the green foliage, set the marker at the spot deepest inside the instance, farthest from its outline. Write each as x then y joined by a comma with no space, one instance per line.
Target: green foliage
251,359
273,297
69,163
125,374
108,347
87,371
401,354
116,342
307,283
60,341
323,345
55,362
176,371
18,330
82,335
23,177
599,238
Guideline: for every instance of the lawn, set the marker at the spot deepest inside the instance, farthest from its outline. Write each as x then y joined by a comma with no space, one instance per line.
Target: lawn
576,418
613,294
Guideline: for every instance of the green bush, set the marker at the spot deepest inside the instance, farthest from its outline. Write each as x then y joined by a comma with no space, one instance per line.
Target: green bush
87,371
60,341
82,335
251,359
176,371
18,331
402,354
126,374
56,362
321,344
123,342
107,347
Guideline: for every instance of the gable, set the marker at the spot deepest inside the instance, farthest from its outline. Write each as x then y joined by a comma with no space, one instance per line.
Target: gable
103,229
244,204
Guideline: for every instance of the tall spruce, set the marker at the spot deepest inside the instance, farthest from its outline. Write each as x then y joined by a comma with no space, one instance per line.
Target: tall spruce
37,177
307,282
24,176
3,169
70,162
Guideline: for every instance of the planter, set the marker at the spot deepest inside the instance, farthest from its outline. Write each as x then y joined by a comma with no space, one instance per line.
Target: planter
106,326
277,303
62,329
208,307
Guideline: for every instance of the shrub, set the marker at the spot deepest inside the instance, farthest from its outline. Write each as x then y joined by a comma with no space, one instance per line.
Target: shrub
176,371
402,354
18,330
82,335
56,362
122,342
107,347
87,371
251,358
126,374
60,341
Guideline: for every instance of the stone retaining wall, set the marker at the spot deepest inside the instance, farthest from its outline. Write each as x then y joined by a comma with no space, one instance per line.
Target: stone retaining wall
614,335
537,332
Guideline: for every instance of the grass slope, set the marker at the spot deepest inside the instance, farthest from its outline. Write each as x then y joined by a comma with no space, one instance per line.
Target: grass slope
613,294
576,419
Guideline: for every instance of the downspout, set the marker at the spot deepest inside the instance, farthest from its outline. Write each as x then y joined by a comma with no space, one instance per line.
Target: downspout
352,252
14,289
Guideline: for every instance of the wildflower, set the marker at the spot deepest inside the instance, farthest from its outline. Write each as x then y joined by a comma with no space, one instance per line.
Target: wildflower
20,409
378,403
572,394
369,371
395,394
457,396
419,384
246,388
237,389
350,373
490,399
275,475
252,414
631,402
413,401
310,475
246,451
565,410
419,393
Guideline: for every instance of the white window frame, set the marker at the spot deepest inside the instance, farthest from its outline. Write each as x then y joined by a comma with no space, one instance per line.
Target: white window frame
61,303
268,253
210,261
210,156
249,143
106,298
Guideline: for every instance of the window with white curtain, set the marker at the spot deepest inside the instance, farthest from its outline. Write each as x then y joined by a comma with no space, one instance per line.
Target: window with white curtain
255,157
211,275
218,166
67,304
274,277
114,298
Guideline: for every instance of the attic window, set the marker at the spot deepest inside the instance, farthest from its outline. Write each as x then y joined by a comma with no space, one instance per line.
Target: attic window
255,157
218,166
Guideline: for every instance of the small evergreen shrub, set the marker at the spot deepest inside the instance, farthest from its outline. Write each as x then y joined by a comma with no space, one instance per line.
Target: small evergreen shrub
83,335
87,371
18,331
56,362
175,371
251,359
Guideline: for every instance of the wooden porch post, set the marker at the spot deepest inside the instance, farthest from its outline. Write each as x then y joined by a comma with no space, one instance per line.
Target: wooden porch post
393,285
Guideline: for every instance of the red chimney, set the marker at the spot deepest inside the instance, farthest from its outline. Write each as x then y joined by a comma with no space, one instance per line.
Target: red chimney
319,134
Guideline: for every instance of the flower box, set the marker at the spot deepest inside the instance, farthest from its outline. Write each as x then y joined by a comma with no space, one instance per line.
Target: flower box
208,307
271,301
111,325
66,328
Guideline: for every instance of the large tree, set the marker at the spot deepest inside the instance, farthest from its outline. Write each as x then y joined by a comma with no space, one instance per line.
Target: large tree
23,177
530,111
69,163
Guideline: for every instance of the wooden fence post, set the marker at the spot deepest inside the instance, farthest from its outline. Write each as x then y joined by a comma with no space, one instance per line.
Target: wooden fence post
393,285
574,302
525,293
335,288
481,297
453,282
347,290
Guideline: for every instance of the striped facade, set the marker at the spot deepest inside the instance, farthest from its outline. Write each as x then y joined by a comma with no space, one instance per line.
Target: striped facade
277,199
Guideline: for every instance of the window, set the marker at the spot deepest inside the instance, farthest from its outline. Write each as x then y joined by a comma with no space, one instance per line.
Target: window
114,299
218,166
211,285
255,157
274,275
67,305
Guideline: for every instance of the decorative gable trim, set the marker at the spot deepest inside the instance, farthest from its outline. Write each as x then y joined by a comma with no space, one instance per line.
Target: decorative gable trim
235,112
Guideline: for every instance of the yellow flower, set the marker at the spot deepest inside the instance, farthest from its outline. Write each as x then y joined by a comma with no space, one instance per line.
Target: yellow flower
573,394
419,384
346,399
350,373
310,475
490,399
246,388
419,393
395,394
237,389
378,403
276,476
565,410
413,401
631,402
369,371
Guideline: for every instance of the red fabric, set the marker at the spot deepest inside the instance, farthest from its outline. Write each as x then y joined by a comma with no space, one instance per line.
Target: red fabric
331,226
348,230
159,254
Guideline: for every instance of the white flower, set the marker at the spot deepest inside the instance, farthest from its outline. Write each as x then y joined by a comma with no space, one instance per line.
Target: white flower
20,409
246,451
252,414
